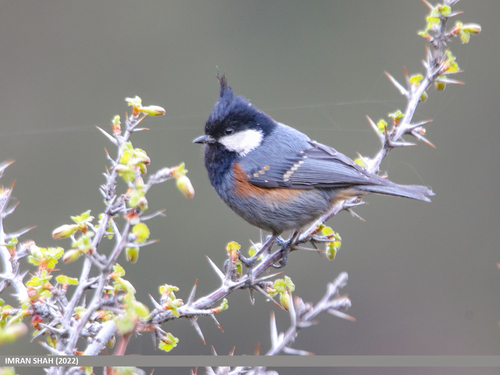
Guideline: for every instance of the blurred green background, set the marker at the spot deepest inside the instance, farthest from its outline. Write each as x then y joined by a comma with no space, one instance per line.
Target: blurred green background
423,276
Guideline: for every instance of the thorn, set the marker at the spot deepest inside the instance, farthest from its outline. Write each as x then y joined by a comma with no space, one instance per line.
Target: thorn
400,87
139,129
192,294
18,233
157,305
231,353
414,126
274,330
252,298
265,294
422,138
197,328
264,278
454,14
429,5
341,315
53,329
51,349
256,350
452,72
400,144
217,270
429,55
217,322
373,125
4,165
109,136
407,77
292,351
450,81
157,213
375,128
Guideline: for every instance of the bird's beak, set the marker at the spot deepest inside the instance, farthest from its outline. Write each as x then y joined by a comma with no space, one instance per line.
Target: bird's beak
204,139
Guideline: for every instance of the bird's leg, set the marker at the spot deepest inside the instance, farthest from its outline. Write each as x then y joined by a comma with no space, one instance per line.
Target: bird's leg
249,262
286,247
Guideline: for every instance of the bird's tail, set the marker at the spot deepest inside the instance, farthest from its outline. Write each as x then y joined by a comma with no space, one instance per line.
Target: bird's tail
408,191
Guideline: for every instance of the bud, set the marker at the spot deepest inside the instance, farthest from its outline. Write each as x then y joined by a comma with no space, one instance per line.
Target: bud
440,86
125,285
139,183
142,204
423,97
136,104
64,231
71,255
141,309
132,254
153,110
472,28
126,172
111,343
35,251
35,321
141,232
285,300
132,216
141,156
12,332
331,252
185,186
115,125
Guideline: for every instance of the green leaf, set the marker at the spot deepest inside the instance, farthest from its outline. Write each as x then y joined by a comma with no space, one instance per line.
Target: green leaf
233,246
445,10
119,270
224,305
168,342
289,284
141,232
464,36
415,80
381,125
83,218
396,115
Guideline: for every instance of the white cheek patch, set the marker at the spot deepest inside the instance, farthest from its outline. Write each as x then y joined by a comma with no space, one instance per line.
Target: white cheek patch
242,142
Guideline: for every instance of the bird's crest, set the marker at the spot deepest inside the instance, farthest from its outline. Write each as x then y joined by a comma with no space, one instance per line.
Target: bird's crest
223,83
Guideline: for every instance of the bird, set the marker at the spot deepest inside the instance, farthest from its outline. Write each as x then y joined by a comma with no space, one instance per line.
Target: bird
274,176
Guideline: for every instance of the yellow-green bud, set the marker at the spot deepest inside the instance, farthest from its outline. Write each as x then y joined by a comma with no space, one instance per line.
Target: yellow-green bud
285,300
440,86
472,28
12,332
185,186
423,97
111,343
126,285
71,255
64,231
132,254
141,309
153,110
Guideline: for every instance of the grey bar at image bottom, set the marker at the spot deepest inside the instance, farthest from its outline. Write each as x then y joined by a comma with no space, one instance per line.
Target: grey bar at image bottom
253,361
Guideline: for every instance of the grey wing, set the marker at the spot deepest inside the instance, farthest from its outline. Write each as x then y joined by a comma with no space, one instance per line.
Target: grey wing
313,167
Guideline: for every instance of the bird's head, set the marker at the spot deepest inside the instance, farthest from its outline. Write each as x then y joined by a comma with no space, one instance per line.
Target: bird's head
235,124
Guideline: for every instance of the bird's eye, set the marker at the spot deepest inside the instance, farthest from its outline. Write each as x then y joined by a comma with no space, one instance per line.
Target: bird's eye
229,131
